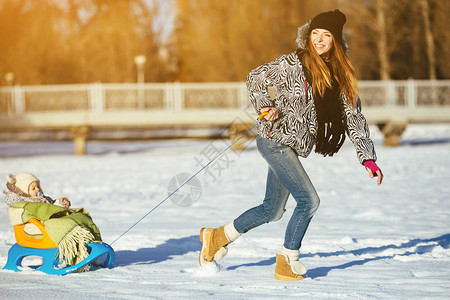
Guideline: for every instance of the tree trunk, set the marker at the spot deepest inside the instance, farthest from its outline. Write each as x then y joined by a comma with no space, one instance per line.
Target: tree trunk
382,42
429,40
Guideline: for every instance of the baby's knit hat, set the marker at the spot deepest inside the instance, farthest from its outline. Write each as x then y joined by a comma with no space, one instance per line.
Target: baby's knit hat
22,181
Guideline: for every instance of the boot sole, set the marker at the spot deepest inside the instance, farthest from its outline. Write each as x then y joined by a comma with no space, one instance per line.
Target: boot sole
200,256
201,235
288,278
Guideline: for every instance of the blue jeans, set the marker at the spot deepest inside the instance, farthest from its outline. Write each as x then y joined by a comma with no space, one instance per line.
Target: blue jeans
286,176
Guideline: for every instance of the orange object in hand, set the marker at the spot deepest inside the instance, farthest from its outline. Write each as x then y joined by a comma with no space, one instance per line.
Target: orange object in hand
262,115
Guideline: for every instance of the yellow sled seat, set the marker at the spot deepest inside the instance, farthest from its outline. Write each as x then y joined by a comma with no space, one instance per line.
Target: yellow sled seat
33,241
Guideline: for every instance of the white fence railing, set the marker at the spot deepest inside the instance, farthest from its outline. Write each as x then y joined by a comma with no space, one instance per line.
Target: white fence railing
178,97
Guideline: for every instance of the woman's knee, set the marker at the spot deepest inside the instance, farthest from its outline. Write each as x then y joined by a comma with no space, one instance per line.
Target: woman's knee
314,203
309,200
269,214
277,215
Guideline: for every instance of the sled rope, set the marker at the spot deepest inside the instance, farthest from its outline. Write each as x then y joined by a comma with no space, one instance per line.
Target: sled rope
189,179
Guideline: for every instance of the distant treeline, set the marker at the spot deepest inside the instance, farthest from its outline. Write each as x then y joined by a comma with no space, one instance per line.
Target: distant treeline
66,41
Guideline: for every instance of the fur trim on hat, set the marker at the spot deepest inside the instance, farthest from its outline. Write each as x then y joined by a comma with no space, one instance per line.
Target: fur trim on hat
11,178
303,36
20,183
12,188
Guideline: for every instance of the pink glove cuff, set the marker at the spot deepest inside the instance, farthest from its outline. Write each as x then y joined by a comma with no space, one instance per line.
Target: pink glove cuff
371,165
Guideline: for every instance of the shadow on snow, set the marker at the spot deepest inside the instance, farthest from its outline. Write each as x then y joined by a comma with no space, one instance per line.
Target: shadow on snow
160,253
184,245
442,241
425,141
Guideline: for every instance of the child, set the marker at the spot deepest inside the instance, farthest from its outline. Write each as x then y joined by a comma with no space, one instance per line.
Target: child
70,229
25,187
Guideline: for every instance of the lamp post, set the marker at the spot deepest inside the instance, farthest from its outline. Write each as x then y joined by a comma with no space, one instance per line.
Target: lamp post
140,60
9,77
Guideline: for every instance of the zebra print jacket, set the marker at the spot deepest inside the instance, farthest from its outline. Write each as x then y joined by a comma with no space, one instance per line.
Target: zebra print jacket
296,125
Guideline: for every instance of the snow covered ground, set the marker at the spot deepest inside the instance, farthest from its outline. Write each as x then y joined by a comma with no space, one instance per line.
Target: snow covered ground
365,242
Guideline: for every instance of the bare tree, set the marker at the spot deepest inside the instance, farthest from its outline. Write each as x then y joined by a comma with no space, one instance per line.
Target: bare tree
30,41
69,41
64,41
440,24
109,38
387,42
428,39
220,40
382,40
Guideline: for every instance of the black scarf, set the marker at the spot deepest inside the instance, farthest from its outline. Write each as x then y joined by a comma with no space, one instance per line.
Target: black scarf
330,132
329,110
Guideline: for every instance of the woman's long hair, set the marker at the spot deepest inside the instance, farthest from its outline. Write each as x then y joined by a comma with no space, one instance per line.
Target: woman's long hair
344,73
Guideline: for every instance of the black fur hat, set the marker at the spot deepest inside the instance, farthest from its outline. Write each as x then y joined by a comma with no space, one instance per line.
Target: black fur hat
333,21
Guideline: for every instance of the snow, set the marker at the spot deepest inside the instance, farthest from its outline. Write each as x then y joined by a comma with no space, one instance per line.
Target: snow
365,241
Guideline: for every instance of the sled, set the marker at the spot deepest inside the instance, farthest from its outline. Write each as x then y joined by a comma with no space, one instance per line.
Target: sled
44,247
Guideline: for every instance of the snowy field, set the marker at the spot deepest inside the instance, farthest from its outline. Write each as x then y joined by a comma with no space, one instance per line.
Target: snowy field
365,241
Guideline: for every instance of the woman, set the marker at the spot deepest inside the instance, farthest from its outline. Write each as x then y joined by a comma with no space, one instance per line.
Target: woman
316,103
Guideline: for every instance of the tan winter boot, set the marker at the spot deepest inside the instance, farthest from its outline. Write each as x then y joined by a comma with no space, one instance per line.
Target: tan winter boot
214,242
288,267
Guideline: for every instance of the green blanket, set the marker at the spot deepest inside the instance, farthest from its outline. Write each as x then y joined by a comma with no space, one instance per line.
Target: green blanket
70,229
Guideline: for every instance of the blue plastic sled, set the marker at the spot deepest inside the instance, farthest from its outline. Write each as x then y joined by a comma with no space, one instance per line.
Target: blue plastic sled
51,258
46,248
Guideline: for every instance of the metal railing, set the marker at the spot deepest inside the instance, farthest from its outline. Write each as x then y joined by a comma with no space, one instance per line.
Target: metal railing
178,97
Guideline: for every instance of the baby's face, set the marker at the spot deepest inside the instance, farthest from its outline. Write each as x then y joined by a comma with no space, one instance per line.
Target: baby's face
33,189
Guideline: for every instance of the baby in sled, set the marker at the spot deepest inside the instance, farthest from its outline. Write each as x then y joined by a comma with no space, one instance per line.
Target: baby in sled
69,229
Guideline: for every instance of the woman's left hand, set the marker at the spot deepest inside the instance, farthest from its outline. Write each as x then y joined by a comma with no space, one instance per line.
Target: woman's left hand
378,173
374,170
